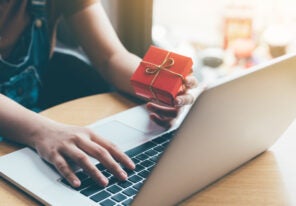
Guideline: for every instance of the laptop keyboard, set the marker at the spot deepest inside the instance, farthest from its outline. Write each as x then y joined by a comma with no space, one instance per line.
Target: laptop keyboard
118,192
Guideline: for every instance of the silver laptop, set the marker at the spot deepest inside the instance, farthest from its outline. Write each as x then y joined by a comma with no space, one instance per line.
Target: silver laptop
230,123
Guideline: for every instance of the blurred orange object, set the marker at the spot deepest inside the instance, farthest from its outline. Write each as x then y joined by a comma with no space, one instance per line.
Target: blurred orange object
243,48
238,23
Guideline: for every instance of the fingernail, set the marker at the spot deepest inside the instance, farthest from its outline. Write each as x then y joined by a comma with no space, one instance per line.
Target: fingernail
105,181
76,183
123,175
189,84
132,164
179,101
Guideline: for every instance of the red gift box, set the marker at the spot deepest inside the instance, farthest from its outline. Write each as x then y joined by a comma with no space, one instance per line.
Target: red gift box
160,76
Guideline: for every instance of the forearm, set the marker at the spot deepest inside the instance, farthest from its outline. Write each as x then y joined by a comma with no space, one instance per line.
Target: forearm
18,123
126,63
100,42
59,143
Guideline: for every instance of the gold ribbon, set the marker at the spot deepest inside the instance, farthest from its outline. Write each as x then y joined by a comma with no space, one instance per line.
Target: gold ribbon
155,70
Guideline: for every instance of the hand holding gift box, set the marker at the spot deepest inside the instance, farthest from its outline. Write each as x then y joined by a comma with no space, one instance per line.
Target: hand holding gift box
160,76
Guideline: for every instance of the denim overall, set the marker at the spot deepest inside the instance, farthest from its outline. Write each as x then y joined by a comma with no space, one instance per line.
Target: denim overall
22,79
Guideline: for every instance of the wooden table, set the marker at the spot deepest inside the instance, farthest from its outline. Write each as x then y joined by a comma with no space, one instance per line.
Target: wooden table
269,179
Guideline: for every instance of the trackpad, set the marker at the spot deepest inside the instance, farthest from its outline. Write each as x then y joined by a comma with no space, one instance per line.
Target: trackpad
120,134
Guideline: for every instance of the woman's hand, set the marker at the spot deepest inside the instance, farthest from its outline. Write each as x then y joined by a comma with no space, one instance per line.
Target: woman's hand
164,115
60,144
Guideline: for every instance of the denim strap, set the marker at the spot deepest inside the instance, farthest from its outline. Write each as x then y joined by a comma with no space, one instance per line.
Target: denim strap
38,8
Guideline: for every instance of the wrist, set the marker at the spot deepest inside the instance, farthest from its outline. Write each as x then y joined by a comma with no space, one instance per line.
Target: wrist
39,130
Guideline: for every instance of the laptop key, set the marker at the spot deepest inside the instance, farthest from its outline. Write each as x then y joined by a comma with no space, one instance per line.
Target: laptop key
91,190
154,159
114,189
139,168
135,160
169,135
149,169
127,202
129,172
165,144
159,140
135,151
135,178
100,167
85,183
106,174
147,163
151,152
100,196
138,185
108,202
144,174
125,184
112,180
159,148
142,157
81,175
130,192
119,197
64,181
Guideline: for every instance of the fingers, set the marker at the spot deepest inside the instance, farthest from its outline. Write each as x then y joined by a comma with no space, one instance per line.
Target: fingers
165,111
191,82
63,168
115,152
162,115
184,99
161,121
75,144
81,159
101,153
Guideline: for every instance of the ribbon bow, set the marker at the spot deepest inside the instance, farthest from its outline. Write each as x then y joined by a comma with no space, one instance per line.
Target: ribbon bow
154,69
166,65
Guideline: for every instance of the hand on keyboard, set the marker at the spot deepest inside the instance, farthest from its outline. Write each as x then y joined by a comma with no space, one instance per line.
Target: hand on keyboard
59,144
162,114
123,192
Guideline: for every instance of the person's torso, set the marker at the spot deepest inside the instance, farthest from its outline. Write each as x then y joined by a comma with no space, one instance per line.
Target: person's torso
14,19
27,38
24,56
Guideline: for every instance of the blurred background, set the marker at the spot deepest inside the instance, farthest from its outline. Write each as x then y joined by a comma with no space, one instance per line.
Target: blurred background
223,37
